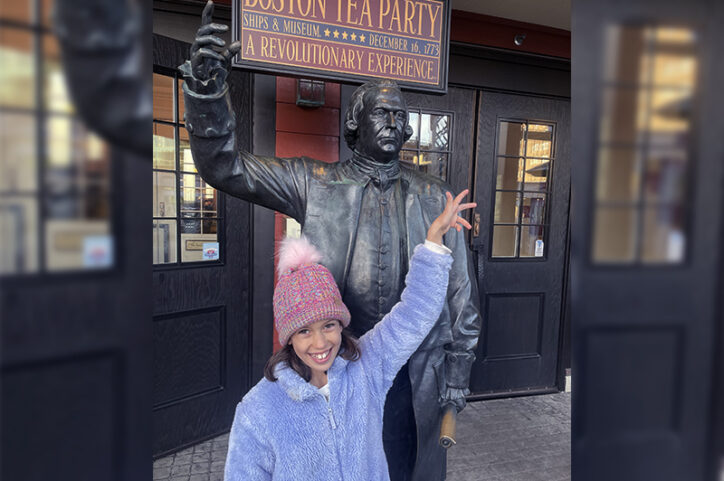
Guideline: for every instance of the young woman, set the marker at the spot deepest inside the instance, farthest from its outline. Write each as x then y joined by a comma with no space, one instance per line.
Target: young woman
317,415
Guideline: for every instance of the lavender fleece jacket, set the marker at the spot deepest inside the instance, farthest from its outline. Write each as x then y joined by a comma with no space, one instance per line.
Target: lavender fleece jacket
286,430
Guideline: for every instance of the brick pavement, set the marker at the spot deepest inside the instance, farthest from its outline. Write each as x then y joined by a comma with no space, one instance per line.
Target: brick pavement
515,439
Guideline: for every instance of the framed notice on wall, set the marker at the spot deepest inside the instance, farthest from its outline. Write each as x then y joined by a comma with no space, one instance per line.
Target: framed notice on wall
346,40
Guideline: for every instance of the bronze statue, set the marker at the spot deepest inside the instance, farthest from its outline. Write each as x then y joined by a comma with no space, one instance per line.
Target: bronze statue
365,214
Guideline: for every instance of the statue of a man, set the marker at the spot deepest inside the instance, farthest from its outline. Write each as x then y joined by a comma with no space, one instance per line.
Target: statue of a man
365,214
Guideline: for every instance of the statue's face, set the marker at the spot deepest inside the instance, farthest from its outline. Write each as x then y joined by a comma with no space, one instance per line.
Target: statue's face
381,124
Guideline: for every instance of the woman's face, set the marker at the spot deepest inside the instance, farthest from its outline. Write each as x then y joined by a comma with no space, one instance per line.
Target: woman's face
317,346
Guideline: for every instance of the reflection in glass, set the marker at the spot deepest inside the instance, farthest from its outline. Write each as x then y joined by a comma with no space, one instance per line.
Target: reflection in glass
511,138
164,194
531,241
614,235
163,98
61,141
434,132
18,154
190,199
18,234
57,98
509,173
505,241
18,11
670,113
536,174
190,225
623,115
209,226
413,120
434,163
409,157
540,140
533,211
618,176
185,156
663,235
164,241
164,147
181,104
18,73
506,207
664,176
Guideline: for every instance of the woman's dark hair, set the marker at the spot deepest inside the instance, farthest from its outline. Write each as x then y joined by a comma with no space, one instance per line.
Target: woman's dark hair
348,349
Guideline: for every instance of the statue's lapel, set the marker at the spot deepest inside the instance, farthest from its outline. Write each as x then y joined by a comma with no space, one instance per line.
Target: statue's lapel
331,223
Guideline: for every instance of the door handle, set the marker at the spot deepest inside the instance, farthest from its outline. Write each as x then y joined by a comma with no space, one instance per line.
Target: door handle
476,225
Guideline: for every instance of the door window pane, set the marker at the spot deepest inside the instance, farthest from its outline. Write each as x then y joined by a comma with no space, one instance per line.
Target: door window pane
18,73
164,147
163,94
614,234
433,163
164,241
534,205
428,148
434,132
618,176
664,177
663,235
164,194
57,97
536,174
540,140
511,138
509,173
505,241
531,241
506,207
18,152
18,11
185,156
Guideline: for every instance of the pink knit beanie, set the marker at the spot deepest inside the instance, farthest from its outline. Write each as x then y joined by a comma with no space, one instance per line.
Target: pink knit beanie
305,292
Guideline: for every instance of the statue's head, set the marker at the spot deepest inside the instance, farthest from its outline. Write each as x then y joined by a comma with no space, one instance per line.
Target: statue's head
375,124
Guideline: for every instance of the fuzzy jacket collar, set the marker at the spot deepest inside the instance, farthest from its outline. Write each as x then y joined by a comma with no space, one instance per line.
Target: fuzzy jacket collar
300,390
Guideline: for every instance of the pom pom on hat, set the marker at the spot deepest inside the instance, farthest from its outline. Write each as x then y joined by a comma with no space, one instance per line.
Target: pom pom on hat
306,291
296,253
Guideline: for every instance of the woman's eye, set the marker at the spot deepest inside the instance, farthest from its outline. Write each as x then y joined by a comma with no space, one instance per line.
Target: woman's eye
331,325
303,332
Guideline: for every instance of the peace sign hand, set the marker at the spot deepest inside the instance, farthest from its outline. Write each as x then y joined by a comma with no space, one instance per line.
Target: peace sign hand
450,217
210,62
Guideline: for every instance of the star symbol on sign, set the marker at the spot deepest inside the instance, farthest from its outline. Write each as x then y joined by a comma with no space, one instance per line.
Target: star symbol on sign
344,35
336,34
362,38
353,36
326,32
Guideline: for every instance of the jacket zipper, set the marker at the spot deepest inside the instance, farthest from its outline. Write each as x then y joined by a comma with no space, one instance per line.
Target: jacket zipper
331,418
333,424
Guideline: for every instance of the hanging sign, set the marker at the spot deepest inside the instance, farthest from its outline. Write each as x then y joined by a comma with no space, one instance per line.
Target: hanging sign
346,40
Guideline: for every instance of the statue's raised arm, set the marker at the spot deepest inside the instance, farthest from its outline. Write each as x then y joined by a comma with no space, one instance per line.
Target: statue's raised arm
210,120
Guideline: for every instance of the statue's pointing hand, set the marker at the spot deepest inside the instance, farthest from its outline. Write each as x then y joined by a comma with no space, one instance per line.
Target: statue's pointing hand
210,62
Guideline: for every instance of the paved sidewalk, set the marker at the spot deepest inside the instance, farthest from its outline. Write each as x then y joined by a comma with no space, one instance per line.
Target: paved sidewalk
516,439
